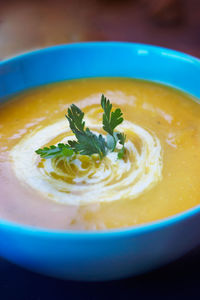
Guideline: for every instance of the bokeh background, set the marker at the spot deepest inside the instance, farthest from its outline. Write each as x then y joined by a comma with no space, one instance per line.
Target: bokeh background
33,24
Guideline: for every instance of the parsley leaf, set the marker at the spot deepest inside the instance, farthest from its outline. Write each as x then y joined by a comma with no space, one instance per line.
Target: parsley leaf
87,142
55,151
110,119
122,138
75,118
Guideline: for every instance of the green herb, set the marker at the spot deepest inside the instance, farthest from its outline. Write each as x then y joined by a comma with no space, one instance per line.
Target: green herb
110,121
75,117
122,139
54,151
87,142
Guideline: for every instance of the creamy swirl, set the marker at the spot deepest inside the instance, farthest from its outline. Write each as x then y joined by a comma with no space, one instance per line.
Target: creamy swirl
84,180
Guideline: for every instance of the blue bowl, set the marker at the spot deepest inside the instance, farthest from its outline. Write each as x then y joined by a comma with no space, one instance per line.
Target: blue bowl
112,254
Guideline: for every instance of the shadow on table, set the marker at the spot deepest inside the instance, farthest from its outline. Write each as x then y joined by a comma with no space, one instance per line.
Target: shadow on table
179,280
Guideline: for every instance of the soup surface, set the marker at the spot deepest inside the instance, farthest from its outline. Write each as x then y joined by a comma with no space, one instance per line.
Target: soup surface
158,177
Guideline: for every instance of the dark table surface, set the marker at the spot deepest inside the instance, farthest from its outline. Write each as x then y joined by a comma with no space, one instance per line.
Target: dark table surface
178,280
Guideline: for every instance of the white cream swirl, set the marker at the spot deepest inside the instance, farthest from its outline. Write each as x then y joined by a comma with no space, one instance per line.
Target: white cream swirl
87,180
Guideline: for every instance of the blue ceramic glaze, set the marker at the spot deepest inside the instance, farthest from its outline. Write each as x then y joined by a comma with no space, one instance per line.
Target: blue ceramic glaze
112,254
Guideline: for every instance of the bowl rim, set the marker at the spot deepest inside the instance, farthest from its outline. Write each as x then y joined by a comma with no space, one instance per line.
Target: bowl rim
108,233
171,52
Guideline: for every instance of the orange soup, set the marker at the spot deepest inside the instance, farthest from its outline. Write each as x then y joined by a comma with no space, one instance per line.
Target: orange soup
157,178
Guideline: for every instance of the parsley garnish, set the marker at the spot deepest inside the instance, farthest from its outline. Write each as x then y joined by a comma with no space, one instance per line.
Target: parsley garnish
53,151
122,138
110,121
87,142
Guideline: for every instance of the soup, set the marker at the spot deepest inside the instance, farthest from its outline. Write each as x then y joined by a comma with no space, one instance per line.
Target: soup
157,178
